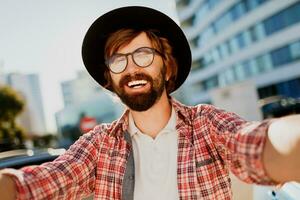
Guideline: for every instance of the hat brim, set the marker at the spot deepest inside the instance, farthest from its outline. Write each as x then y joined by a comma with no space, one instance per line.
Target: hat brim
139,18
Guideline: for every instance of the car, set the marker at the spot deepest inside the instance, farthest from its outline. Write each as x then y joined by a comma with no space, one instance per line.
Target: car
278,106
24,157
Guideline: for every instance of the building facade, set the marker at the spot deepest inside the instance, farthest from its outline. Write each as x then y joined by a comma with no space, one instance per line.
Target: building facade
238,40
83,97
79,89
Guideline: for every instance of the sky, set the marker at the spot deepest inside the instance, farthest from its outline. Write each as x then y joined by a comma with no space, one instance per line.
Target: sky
45,37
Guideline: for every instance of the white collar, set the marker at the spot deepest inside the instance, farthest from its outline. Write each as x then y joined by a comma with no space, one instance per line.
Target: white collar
170,126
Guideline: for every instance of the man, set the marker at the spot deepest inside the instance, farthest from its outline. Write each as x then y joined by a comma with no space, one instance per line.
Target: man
159,148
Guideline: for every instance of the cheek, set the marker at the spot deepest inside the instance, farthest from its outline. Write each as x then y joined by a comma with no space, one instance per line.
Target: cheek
115,78
157,66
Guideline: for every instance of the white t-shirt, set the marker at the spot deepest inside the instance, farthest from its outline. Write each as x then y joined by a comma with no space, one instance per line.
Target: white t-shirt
155,162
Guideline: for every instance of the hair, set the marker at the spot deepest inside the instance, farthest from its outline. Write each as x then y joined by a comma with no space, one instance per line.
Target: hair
123,37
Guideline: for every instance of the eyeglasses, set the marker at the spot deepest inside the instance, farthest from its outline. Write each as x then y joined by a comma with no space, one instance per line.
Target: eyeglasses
142,57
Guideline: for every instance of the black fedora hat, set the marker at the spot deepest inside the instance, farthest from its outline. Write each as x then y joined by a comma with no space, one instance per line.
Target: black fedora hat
139,18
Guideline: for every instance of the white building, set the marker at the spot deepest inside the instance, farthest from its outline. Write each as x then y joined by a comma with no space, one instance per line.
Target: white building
242,40
83,95
79,89
238,40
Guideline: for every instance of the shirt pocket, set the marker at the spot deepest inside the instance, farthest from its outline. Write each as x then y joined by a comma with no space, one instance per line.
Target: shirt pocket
205,162
206,170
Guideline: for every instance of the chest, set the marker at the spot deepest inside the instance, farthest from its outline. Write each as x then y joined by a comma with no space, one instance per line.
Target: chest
200,172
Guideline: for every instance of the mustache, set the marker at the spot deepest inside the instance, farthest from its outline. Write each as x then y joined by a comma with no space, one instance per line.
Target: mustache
138,76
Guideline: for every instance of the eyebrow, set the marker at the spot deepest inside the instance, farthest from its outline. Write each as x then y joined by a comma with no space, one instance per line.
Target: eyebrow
116,53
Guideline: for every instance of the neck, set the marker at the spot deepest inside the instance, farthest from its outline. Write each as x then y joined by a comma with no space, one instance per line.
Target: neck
153,120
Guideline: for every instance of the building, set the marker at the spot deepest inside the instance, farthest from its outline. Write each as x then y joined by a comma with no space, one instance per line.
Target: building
32,118
102,107
238,40
79,89
84,97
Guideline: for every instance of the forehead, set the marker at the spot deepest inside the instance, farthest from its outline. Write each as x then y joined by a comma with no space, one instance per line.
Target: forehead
140,40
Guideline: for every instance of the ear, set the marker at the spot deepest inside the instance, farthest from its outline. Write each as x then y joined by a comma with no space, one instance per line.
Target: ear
168,73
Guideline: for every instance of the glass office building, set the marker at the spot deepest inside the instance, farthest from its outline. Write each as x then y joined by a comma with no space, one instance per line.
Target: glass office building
242,40
238,40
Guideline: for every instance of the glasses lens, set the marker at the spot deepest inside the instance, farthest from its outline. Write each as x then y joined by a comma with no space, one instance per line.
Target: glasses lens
118,63
143,57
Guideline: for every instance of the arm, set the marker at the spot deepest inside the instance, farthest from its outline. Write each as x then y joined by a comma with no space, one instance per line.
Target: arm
239,143
70,175
7,187
281,155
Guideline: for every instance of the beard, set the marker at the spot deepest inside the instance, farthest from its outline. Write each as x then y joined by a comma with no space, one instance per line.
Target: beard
142,101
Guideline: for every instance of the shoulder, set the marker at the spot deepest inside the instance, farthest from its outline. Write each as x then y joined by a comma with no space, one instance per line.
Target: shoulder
203,111
107,129
196,112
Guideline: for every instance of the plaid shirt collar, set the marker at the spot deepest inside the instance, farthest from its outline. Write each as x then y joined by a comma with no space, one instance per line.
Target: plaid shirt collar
183,118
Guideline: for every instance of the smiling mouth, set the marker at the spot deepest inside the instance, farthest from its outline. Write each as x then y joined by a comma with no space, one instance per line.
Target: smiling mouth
137,84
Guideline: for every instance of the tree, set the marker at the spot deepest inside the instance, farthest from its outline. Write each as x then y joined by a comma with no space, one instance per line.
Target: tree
11,105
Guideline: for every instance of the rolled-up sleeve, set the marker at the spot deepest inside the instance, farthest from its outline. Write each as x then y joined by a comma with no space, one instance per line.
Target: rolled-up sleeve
70,176
240,143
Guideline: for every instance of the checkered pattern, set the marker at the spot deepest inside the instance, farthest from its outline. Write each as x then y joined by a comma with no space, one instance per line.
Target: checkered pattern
211,142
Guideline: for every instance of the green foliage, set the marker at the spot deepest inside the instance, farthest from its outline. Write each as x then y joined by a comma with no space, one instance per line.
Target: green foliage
11,105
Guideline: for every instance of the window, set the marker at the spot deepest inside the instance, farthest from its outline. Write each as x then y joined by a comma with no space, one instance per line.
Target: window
281,56
240,40
215,55
200,15
211,83
224,51
264,63
230,76
295,50
253,67
205,36
247,68
251,4
234,45
274,23
257,32
207,59
239,71
291,15
213,3
204,9
222,22
238,10
283,19
247,37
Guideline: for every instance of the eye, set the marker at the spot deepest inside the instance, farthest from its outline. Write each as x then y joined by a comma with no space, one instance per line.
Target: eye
116,58
143,51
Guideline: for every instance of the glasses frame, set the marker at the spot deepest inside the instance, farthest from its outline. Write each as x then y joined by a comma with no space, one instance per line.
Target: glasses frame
154,51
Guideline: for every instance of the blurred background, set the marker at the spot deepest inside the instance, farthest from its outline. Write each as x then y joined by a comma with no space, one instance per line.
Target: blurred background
246,59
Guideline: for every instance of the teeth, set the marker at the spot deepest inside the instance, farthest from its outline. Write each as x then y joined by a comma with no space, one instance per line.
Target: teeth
138,82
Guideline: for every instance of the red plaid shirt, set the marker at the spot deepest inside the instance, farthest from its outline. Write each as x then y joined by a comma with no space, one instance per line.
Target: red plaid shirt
211,142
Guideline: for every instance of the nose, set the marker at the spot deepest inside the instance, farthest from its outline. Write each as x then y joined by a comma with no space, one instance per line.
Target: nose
131,66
